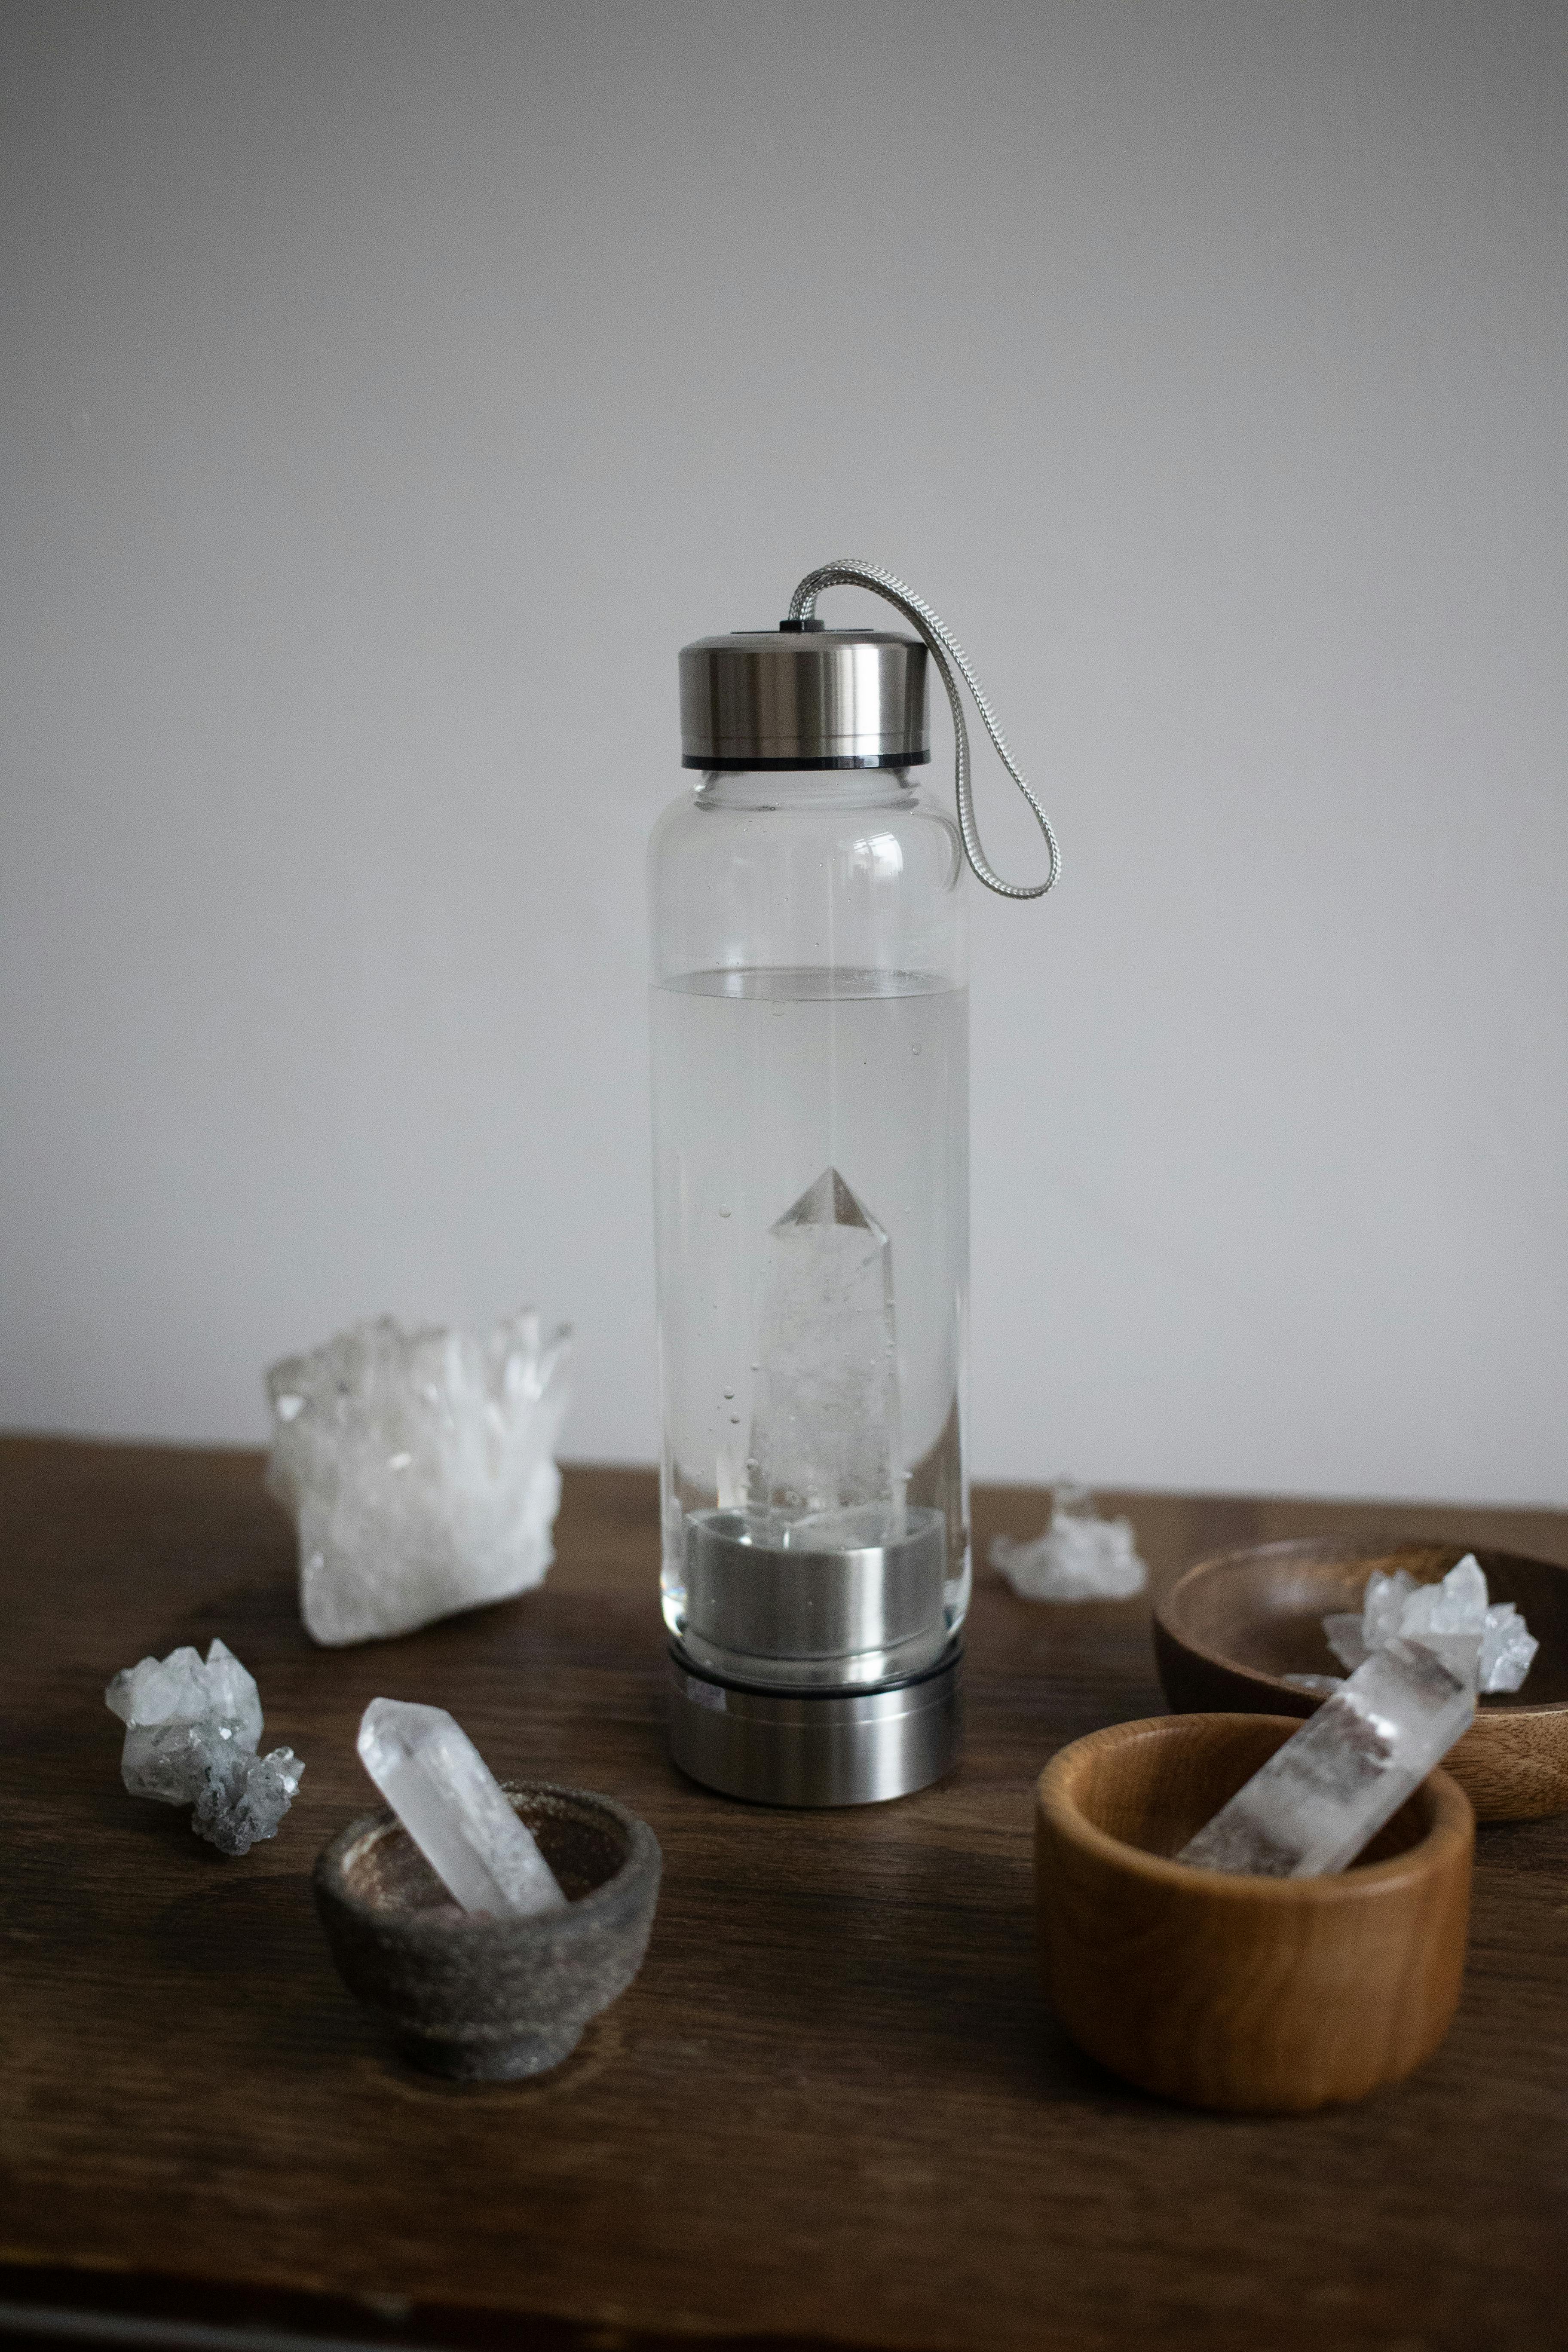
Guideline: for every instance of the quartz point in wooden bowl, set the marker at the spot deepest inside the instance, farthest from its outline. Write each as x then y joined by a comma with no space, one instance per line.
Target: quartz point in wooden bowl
1321,1798
1265,1995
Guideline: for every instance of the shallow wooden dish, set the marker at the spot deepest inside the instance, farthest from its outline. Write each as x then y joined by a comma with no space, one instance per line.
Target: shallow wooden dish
1263,1995
1233,1625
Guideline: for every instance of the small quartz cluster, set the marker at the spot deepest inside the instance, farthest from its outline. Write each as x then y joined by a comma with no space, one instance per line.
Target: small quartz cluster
455,1809
1333,1784
1081,1557
191,1731
419,1468
1399,1606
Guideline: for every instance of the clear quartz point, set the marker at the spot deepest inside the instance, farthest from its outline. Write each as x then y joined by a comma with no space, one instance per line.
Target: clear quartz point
826,1440
455,1809
1323,1795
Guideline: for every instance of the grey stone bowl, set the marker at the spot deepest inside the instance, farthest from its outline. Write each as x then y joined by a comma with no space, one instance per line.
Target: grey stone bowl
484,2000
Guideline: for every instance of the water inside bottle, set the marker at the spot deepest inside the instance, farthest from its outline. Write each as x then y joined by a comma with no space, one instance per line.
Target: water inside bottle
811,1200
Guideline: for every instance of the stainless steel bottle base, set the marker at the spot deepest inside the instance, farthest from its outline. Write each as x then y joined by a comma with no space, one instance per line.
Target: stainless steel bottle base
816,1748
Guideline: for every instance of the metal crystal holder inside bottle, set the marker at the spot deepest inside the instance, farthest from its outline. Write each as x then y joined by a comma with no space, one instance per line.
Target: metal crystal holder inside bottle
811,1181
817,1617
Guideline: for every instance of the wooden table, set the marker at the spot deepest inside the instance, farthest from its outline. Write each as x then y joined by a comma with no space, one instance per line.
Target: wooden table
831,2111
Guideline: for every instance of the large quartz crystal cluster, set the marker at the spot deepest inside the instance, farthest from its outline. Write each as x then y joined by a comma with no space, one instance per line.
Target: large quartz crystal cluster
1081,1557
1331,1786
191,1730
419,1467
455,1809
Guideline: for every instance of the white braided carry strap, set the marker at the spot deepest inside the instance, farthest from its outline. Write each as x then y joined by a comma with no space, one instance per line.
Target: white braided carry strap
944,650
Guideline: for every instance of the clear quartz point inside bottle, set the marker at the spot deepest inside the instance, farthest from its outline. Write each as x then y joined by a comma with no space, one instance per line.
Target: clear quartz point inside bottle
825,1469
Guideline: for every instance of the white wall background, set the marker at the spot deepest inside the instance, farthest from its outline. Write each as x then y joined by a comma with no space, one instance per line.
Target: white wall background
390,389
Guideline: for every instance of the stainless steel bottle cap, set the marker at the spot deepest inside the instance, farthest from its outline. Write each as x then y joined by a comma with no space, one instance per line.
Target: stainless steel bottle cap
804,697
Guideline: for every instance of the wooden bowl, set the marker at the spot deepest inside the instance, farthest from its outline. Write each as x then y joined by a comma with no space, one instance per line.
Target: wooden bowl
1233,1625
1263,1995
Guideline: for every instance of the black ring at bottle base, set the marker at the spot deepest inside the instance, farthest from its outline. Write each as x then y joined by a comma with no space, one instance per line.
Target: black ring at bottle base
746,767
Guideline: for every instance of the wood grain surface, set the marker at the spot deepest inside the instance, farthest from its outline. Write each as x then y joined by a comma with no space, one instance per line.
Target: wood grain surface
833,2109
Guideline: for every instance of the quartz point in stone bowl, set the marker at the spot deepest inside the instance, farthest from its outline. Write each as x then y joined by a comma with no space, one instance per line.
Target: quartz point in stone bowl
455,1809
191,1730
1323,1795
1081,1557
419,1467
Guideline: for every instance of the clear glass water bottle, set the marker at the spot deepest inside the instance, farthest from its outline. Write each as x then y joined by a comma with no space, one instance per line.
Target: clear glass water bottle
811,1144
